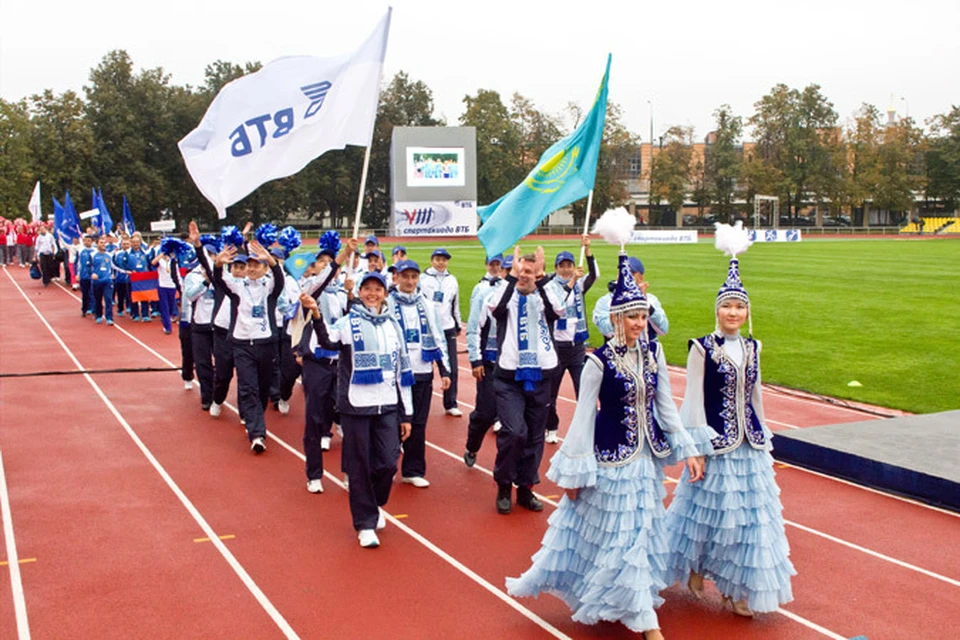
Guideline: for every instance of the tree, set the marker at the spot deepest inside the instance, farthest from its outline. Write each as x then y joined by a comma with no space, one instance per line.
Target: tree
62,142
943,159
671,170
498,144
862,174
899,167
724,161
16,165
403,103
791,128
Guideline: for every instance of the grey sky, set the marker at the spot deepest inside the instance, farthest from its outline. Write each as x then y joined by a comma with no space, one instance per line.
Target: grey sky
687,58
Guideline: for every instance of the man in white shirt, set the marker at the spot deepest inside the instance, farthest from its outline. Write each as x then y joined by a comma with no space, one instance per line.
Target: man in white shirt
46,251
441,287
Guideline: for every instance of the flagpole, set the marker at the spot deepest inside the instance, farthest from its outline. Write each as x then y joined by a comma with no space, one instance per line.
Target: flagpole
363,185
586,225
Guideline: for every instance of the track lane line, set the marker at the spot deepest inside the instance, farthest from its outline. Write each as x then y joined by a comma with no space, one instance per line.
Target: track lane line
261,598
501,595
16,585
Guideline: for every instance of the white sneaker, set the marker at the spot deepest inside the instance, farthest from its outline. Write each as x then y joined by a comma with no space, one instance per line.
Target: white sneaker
368,539
552,437
315,486
215,409
417,481
284,407
496,426
346,482
456,413
258,445
187,385
325,443
242,421
381,522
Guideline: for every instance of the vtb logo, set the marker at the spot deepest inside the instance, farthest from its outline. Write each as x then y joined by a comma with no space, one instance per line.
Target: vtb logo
283,120
419,216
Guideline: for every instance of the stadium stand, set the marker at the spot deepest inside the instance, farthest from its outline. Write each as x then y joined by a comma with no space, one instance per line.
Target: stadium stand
931,226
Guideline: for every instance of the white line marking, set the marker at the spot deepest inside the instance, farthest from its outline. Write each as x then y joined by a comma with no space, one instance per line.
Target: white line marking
811,625
207,529
19,601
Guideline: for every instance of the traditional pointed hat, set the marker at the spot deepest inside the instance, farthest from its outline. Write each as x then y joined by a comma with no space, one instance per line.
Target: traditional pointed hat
627,295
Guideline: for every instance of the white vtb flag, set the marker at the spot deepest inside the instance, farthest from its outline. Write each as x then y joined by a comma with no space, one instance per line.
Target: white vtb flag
272,123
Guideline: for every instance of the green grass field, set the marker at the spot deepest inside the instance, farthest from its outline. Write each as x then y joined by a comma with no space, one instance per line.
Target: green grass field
879,312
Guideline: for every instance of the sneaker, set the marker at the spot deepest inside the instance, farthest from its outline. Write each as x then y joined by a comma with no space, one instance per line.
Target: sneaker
147,319
99,320
338,430
215,409
259,446
469,458
315,486
283,407
418,481
346,482
381,522
109,323
496,426
456,413
527,500
205,406
120,314
136,318
154,314
166,331
368,539
76,287
243,422
504,498
325,443
188,385
552,437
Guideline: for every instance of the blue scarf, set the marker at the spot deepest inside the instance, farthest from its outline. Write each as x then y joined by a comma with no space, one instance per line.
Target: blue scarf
528,363
326,299
429,350
490,348
368,363
575,309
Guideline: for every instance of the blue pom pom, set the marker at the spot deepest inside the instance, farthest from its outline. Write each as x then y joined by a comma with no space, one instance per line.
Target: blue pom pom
289,239
168,245
266,234
231,235
211,241
330,241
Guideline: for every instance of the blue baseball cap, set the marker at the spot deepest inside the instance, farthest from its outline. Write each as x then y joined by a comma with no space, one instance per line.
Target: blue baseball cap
376,254
507,262
635,265
240,257
496,258
374,275
564,255
406,265
279,253
397,249
372,240
440,252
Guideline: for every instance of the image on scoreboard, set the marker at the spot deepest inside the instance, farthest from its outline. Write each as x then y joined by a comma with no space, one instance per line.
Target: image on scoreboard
435,167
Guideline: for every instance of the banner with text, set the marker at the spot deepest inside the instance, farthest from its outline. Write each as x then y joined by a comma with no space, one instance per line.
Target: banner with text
663,237
457,218
774,235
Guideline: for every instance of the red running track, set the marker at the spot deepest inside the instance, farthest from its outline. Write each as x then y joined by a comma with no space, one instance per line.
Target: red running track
109,548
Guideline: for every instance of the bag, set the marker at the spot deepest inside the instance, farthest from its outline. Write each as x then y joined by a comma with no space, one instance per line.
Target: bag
35,271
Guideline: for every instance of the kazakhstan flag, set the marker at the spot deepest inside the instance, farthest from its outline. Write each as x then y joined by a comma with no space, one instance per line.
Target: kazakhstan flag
565,173
297,263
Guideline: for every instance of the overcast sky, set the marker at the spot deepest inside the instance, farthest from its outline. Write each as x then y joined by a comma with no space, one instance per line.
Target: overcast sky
683,58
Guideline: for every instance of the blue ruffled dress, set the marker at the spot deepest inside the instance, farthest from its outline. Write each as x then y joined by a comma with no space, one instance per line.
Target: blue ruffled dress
605,554
729,527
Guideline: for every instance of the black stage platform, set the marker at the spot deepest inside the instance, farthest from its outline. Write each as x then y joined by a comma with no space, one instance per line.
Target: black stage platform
914,456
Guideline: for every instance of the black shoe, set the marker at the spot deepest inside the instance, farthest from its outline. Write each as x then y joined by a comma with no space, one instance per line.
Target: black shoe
205,406
504,498
527,500
469,458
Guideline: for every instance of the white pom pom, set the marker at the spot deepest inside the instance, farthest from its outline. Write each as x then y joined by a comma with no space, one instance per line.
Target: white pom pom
731,240
616,226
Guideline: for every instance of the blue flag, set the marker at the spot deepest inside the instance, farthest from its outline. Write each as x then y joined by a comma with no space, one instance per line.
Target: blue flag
128,224
565,173
71,221
297,263
106,222
58,222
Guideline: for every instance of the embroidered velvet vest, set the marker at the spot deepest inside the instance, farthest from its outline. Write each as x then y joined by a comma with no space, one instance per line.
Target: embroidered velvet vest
727,393
625,418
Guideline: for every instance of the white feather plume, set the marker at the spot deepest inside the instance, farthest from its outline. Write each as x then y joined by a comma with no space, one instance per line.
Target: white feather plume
616,226
731,240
